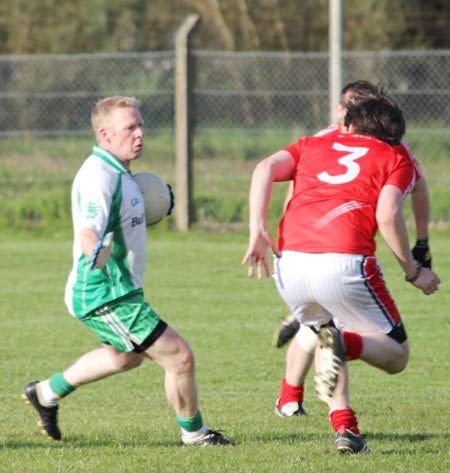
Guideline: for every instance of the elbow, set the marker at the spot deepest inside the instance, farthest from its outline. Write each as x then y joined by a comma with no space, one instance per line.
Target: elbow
387,219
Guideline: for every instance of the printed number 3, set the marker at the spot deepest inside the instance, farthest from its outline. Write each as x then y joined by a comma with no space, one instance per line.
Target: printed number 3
348,161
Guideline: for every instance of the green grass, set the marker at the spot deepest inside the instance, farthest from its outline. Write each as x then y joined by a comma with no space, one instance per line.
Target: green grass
36,175
195,281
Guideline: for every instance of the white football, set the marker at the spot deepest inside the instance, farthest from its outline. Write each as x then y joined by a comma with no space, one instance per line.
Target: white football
158,197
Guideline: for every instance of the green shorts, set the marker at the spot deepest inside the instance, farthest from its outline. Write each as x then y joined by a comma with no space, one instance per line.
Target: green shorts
128,323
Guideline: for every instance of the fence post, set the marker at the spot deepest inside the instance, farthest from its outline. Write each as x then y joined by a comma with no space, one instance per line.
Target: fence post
335,54
183,125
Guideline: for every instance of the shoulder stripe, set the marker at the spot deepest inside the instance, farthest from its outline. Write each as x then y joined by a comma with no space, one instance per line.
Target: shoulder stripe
110,159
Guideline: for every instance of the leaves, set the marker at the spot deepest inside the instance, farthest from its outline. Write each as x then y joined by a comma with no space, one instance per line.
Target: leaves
78,26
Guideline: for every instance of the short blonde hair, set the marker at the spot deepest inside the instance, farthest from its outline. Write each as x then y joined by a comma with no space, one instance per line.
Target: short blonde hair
103,109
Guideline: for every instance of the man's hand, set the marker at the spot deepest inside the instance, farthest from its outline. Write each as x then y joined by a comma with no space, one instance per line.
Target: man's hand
256,255
101,252
422,254
172,200
426,280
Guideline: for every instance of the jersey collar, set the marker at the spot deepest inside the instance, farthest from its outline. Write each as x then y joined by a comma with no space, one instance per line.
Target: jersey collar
110,159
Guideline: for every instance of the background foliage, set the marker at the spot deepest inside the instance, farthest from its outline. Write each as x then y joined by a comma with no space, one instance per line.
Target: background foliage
246,106
36,176
78,26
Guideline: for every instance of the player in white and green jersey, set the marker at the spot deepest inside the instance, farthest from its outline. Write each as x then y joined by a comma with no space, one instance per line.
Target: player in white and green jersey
106,199
104,289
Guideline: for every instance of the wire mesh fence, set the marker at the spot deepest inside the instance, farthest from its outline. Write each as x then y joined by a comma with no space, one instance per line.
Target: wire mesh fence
245,106
244,93
286,95
52,95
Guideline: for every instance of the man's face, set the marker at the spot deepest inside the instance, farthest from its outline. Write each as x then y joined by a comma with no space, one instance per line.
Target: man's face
124,135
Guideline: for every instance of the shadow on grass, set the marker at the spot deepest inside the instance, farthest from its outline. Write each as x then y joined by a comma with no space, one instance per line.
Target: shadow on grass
417,440
81,443
407,437
78,442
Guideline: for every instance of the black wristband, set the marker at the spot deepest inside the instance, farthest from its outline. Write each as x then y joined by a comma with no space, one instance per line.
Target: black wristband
422,243
414,278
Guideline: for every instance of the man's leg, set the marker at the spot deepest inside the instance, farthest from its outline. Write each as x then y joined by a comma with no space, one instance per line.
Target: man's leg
299,357
92,366
173,353
101,363
382,351
343,419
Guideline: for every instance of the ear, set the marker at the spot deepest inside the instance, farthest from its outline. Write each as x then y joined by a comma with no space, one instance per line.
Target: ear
104,135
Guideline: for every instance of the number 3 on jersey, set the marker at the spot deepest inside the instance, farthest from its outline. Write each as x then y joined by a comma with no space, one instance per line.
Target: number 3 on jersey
348,161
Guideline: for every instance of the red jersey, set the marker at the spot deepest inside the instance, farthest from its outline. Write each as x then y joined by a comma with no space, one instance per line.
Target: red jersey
402,148
337,182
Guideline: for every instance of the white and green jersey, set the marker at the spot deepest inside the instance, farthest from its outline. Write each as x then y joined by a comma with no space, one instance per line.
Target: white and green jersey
106,198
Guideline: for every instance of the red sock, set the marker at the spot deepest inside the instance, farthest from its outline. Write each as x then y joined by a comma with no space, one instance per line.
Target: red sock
344,419
289,393
353,344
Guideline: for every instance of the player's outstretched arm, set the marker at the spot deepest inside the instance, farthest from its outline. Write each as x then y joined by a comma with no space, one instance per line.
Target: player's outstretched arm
421,209
256,255
393,229
420,201
278,167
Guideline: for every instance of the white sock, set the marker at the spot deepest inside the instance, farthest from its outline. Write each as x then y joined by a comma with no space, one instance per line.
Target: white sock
191,435
45,394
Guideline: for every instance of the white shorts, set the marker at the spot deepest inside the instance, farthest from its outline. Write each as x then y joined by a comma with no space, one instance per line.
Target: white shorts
348,289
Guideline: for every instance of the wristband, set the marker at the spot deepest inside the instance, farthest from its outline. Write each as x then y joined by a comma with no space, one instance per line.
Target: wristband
422,243
101,252
95,252
414,278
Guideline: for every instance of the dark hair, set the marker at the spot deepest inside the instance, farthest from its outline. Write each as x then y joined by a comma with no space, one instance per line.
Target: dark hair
379,117
358,90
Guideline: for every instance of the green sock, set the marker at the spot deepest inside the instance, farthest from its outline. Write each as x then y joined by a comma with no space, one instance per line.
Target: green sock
191,424
60,386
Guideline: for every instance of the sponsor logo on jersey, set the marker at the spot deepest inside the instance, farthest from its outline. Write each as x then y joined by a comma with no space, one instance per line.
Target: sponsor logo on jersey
135,201
135,221
91,210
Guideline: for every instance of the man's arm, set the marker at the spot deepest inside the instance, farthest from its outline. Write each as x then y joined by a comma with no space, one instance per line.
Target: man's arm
88,240
97,250
393,229
278,167
420,201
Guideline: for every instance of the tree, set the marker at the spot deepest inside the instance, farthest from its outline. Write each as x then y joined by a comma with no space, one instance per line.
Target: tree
78,26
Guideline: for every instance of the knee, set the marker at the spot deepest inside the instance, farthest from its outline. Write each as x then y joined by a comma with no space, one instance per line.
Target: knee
173,353
128,361
181,359
398,366
307,339
401,360
185,359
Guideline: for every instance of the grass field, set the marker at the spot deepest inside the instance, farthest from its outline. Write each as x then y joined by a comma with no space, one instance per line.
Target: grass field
36,175
195,281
